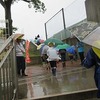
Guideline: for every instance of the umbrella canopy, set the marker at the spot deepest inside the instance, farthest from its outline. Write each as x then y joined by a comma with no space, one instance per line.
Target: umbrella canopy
56,41
40,46
16,36
71,49
63,46
93,39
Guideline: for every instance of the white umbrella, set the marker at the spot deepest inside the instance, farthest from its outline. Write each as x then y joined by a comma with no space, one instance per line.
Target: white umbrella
93,39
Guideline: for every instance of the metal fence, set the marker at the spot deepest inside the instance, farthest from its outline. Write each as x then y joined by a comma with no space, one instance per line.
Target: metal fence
65,18
8,78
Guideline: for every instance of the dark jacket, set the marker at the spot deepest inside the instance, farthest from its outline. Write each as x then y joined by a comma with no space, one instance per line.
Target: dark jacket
93,60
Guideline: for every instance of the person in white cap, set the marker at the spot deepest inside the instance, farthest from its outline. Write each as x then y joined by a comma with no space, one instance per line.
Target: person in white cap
53,57
20,59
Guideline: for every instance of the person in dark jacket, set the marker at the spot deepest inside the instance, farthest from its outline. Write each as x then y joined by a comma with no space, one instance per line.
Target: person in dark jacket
62,53
93,59
80,48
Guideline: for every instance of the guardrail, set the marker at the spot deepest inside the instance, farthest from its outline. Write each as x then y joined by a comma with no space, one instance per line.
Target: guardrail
8,76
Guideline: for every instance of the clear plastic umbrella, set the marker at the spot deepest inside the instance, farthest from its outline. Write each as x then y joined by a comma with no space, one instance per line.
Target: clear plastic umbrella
93,39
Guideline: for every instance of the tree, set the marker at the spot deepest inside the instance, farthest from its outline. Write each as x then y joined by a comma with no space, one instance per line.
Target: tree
37,4
3,31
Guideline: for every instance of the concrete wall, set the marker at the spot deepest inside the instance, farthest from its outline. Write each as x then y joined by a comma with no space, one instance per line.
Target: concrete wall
35,61
93,10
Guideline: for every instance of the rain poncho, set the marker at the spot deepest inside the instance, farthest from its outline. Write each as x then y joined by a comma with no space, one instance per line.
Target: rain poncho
96,47
52,54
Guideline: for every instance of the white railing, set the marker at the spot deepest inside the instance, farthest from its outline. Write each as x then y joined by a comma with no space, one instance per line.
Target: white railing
8,76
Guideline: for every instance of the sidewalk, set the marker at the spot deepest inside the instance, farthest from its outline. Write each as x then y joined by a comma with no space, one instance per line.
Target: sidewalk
69,81
38,69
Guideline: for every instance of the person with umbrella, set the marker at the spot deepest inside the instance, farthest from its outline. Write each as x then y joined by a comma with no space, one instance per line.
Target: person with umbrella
62,52
20,59
72,53
93,59
80,47
43,52
53,57
44,56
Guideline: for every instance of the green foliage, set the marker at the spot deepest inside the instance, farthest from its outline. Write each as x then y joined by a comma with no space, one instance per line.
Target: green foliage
2,32
6,4
37,5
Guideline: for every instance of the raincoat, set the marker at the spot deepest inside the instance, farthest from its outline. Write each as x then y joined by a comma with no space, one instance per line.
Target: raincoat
53,57
52,54
92,59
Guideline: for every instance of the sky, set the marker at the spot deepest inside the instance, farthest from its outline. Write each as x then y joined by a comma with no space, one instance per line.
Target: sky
31,23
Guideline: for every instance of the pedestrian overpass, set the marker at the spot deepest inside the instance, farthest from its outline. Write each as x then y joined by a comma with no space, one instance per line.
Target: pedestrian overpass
69,84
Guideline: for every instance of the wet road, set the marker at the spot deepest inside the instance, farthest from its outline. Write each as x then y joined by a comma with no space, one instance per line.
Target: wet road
68,80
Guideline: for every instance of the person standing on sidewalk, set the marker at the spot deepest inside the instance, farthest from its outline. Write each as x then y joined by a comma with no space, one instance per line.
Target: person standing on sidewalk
53,57
20,59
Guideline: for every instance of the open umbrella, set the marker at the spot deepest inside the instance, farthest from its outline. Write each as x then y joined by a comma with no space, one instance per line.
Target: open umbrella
40,46
55,40
63,46
71,49
93,39
18,35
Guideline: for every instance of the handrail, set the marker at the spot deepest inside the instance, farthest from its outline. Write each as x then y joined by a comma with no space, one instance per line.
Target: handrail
8,76
6,43
3,60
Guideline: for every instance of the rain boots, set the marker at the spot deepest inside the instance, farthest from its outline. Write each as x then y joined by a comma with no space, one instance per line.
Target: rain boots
63,64
54,71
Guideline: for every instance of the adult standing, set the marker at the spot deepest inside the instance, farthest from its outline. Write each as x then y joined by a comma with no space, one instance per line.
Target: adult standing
20,59
53,57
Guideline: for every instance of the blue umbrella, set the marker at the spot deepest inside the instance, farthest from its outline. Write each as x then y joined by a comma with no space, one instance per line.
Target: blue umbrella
71,49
